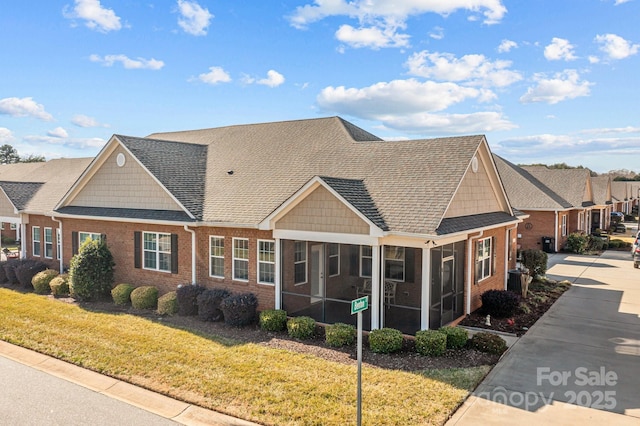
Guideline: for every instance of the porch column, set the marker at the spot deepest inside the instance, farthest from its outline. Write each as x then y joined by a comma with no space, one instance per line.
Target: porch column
278,267
375,287
425,303
23,242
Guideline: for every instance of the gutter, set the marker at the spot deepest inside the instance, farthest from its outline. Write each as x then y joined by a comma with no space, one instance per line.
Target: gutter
61,250
193,253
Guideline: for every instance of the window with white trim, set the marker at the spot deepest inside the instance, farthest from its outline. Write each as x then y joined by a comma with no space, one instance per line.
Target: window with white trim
266,262
48,243
58,243
394,263
216,264
483,258
82,237
366,261
300,262
35,233
13,226
581,221
564,225
156,251
241,259
334,259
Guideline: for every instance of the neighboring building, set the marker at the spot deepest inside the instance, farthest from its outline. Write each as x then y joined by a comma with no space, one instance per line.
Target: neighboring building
603,202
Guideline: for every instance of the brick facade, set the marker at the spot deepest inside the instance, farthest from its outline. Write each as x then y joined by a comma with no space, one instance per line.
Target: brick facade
497,279
543,224
42,222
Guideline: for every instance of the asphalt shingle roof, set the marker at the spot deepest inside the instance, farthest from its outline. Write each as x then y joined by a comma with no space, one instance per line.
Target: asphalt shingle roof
20,193
466,223
570,184
145,214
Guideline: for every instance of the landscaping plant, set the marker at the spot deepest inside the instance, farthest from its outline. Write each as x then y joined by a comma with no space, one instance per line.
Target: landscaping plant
339,334
145,297
121,294
385,340
457,337
188,299
91,271
209,304
240,309
168,303
431,342
273,320
60,285
41,281
488,342
500,303
301,327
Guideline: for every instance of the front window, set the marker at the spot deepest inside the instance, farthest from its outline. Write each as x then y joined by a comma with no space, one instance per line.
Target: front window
483,259
217,257
157,251
36,240
334,259
48,243
82,236
394,263
266,262
366,261
564,226
300,262
241,259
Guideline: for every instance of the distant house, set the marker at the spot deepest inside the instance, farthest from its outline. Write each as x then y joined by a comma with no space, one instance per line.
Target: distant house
308,215
623,196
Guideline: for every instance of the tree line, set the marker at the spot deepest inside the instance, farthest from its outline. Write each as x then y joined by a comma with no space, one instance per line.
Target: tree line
9,155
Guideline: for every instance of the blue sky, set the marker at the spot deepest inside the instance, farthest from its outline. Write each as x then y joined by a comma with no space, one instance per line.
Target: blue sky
547,81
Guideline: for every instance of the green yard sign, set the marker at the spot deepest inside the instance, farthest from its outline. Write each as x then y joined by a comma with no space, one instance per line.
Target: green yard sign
359,305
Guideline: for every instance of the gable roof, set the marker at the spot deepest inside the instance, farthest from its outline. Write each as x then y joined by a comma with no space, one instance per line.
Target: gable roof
354,191
574,185
601,190
19,193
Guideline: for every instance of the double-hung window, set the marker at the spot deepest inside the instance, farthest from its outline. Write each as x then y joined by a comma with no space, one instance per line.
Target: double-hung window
484,252
216,245
266,262
334,259
564,225
48,243
83,236
366,261
300,262
241,259
394,263
35,232
156,251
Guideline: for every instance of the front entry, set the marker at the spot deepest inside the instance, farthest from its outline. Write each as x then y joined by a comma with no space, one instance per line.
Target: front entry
317,272
447,284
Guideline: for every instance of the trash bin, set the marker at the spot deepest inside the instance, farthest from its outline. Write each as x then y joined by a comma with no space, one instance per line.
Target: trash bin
514,283
548,244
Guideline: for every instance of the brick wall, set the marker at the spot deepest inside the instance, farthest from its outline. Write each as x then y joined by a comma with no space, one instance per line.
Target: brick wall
497,279
27,240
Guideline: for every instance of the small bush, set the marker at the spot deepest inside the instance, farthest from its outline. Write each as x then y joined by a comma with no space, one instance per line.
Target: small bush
385,340
457,337
535,261
500,303
595,243
490,343
121,294
60,285
431,342
340,334
301,327
273,320
615,244
41,280
10,270
576,243
188,299
168,303
3,274
209,304
27,269
145,297
240,309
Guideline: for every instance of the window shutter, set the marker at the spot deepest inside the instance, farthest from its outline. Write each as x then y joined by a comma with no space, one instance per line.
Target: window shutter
174,253
409,264
354,254
74,243
137,249
103,238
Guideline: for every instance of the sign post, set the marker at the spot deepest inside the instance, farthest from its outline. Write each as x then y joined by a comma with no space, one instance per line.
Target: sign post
357,306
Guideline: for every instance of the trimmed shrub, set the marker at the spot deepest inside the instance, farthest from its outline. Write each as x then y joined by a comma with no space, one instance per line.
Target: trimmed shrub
168,303
457,337
145,297
10,270
385,340
595,243
188,299
431,342
41,280
490,343
60,285
239,310
121,294
576,243
500,303
535,261
209,304
273,320
301,327
3,274
340,334
27,269
91,271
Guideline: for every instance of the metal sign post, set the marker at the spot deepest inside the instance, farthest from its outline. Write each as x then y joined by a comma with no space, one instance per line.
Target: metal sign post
357,306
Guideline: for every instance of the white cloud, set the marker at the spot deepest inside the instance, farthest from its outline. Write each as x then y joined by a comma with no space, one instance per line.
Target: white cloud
374,37
479,122
472,69
437,33
214,76
194,19
559,49
76,143
128,63
619,2
24,107
96,17
564,85
507,45
6,136
81,120
616,47
274,79
58,132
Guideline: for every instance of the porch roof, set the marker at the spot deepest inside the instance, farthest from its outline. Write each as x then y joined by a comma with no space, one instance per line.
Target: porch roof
19,193
467,223
355,192
140,214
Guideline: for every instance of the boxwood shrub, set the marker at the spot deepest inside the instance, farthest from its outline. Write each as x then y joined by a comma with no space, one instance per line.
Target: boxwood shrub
500,303
3,274
168,303
121,294
144,297
385,340
240,309
41,280
60,285
209,304
488,342
27,269
301,327
188,299
273,320
340,334
431,342
457,337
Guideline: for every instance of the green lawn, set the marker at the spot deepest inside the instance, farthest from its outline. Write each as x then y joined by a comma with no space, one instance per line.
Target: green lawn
246,380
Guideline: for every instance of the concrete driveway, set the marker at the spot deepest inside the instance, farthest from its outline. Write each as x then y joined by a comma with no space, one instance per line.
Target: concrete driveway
580,364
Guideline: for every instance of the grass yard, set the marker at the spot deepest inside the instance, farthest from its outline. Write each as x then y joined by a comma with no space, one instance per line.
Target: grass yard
249,381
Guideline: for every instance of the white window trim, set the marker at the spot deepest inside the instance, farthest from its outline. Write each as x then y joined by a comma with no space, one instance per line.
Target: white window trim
365,257
234,258
306,265
211,255
50,243
94,236
564,225
259,262
157,252
34,241
58,243
334,255
403,260
484,258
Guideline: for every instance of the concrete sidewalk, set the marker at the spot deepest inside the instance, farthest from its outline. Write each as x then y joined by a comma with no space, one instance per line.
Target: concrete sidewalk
163,406
580,363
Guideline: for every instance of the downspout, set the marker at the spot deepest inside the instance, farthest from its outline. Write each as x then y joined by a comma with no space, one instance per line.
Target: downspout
470,267
61,251
555,234
193,253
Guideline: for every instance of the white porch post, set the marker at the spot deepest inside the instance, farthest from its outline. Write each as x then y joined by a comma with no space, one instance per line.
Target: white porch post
426,288
375,287
23,242
278,289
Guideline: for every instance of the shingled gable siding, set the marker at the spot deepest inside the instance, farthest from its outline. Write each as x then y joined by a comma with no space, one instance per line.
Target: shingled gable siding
497,279
120,240
43,222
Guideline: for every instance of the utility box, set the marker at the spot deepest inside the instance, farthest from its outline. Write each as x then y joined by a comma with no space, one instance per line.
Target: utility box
514,283
548,244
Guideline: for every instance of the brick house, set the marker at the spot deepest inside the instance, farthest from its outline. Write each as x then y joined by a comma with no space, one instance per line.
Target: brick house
307,214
